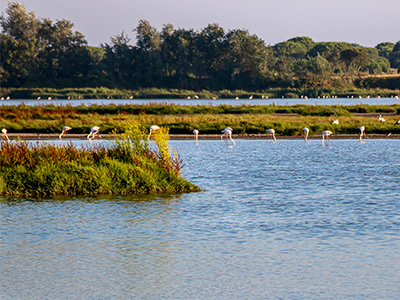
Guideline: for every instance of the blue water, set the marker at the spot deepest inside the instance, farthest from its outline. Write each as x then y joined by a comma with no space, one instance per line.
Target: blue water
210,102
276,221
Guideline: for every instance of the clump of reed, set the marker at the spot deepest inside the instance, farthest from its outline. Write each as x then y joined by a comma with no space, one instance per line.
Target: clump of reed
132,165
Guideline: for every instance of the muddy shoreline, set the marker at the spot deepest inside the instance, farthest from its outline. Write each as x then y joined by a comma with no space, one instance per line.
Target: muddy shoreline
46,136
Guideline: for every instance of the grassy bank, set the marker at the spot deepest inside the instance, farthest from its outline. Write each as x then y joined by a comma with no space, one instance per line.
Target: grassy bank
130,166
286,120
156,93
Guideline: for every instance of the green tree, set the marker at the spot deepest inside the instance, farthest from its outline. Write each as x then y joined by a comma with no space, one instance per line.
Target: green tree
147,57
355,58
246,58
385,49
118,62
394,56
18,44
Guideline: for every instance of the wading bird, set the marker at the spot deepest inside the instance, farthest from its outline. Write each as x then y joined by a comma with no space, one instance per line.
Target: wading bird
336,122
94,131
196,135
380,119
227,132
272,132
362,133
397,123
325,135
152,129
306,131
4,134
64,131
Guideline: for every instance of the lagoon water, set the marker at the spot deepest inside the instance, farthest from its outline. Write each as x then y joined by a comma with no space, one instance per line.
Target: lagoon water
276,221
208,102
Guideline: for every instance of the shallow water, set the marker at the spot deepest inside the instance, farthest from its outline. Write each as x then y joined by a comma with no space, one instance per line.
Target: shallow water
287,220
210,102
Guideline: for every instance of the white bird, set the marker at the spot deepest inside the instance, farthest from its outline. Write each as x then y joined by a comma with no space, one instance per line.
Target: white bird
397,123
325,135
227,132
152,129
305,98
336,122
64,131
251,97
272,132
362,133
306,131
196,135
237,98
380,119
94,131
4,134
196,97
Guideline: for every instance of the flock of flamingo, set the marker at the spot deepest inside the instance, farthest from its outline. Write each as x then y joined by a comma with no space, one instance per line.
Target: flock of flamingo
226,133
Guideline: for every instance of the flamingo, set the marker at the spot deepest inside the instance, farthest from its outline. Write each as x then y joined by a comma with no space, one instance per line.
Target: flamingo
325,135
272,132
153,128
227,132
362,132
380,119
94,131
397,123
336,122
306,131
196,135
4,134
64,131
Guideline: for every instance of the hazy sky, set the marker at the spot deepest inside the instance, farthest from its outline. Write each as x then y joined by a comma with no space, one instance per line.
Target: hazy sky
366,22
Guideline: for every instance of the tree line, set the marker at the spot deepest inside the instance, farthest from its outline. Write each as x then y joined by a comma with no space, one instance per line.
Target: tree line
39,52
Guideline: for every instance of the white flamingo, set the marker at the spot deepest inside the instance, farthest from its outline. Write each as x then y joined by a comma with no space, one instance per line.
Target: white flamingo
152,129
196,135
272,132
4,134
397,123
64,131
306,131
227,132
380,119
336,122
94,131
362,133
325,135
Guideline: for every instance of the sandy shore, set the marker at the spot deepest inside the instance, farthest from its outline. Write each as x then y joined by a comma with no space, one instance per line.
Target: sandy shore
45,136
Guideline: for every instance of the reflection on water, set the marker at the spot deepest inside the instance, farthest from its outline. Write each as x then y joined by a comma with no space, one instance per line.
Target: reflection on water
285,220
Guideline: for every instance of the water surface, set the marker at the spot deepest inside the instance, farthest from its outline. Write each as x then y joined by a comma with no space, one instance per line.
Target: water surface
288,220
209,102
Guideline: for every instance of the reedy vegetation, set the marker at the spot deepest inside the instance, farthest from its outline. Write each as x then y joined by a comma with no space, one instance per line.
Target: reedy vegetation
246,119
130,166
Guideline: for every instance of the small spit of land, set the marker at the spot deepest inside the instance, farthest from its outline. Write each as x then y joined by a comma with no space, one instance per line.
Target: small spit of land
130,166
246,120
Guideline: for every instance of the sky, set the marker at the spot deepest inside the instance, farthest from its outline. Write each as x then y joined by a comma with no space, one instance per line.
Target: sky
365,22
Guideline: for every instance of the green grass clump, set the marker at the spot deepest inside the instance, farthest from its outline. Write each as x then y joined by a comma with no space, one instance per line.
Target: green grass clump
130,166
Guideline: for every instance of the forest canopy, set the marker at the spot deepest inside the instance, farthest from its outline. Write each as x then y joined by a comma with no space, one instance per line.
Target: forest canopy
39,52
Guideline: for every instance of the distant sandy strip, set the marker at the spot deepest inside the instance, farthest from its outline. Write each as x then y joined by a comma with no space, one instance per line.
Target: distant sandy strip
45,136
